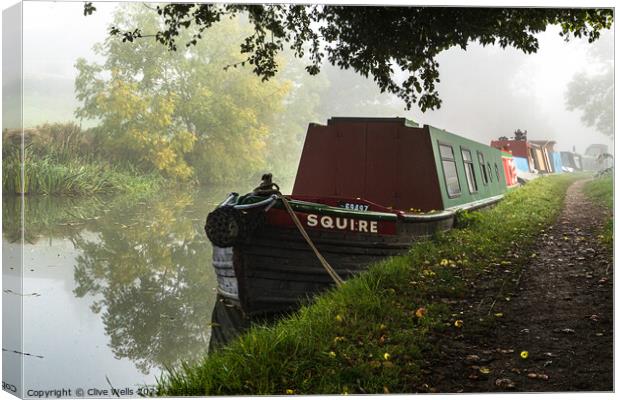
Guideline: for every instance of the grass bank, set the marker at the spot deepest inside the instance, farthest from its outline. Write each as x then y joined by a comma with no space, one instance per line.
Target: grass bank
75,177
371,335
601,190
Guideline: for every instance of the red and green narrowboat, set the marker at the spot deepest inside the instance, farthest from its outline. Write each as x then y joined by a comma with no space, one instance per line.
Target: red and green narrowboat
366,189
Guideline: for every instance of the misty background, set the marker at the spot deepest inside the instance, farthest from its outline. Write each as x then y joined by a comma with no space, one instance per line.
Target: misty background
487,92
129,260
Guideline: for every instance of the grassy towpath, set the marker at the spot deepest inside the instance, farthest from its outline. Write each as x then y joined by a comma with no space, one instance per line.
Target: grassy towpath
384,331
560,312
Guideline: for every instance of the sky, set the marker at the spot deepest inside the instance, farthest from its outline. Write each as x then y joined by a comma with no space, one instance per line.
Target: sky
487,92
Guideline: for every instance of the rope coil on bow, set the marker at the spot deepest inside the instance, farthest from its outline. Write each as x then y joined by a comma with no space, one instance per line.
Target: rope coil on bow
226,225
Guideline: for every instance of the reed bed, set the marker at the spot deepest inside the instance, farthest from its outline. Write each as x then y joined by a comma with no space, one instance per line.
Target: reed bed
46,176
61,159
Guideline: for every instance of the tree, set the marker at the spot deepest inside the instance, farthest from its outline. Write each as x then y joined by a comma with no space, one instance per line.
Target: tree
373,41
179,112
593,95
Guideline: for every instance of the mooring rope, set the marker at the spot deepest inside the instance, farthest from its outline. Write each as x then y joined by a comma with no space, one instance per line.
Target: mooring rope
330,270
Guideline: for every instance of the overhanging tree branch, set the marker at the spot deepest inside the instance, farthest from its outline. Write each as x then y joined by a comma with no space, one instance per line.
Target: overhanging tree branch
374,41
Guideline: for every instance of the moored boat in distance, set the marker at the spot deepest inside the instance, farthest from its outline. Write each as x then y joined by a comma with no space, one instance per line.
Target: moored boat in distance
366,189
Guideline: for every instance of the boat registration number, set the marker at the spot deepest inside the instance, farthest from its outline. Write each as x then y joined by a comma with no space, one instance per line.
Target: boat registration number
354,206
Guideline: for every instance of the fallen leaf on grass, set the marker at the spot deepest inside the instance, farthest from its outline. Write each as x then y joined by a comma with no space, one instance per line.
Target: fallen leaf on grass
504,383
420,312
472,358
533,375
339,339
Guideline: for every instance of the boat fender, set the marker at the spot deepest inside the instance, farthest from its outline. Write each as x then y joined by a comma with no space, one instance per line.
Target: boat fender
225,226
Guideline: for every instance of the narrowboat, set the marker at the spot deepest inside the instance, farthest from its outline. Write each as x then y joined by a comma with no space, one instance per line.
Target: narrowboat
571,161
597,158
365,189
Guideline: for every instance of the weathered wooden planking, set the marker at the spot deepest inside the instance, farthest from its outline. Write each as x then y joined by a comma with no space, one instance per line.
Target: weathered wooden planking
276,270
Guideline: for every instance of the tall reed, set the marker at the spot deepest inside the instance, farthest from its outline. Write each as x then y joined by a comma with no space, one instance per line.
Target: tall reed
60,159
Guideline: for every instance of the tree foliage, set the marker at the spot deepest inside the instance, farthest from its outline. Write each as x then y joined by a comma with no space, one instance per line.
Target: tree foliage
593,95
373,41
591,91
179,112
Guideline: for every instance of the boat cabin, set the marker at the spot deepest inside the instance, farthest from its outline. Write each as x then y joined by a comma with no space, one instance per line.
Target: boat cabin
531,155
596,158
571,161
395,163
510,169
521,151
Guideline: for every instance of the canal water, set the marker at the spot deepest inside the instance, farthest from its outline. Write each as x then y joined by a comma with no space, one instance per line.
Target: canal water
115,290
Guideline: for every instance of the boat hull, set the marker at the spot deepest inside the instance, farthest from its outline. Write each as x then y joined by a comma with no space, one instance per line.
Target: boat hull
276,271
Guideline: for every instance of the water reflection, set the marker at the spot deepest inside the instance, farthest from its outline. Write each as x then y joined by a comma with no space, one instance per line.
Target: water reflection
150,275
141,265
49,217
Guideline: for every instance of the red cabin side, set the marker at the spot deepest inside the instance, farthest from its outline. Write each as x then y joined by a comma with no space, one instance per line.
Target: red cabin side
518,148
380,160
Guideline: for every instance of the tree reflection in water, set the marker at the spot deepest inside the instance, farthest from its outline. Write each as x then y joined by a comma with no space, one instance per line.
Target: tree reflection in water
148,270
145,264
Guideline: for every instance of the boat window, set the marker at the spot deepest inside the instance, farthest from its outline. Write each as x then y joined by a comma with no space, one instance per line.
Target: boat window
446,151
497,172
449,170
483,170
468,163
489,171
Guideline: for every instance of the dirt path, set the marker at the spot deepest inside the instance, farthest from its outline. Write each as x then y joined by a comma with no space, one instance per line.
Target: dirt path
559,309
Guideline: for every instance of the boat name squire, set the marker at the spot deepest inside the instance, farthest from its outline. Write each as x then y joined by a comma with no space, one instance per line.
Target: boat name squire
351,224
